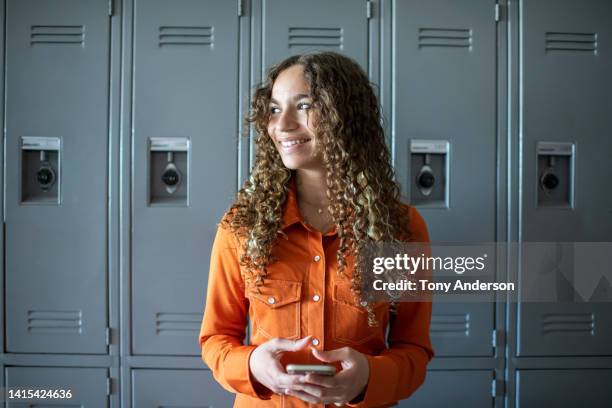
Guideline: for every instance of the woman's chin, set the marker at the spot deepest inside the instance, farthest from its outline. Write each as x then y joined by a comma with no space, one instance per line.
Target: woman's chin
294,163
303,166
302,161
292,166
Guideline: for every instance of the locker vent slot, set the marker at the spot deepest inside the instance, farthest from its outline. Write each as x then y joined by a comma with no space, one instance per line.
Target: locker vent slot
568,323
445,37
315,37
55,321
177,323
175,35
573,43
57,34
185,406
451,324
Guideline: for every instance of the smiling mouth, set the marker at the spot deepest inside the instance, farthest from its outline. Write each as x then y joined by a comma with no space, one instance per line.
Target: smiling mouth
293,142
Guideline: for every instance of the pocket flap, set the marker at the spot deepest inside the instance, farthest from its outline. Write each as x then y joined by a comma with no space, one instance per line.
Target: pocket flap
344,294
277,293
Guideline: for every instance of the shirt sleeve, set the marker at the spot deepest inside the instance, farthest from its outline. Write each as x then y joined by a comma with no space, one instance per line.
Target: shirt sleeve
410,348
224,323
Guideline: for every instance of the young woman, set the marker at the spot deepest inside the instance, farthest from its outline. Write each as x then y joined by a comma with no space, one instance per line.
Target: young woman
286,253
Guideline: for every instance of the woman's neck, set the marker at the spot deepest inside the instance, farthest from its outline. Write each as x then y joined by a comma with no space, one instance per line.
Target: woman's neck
312,187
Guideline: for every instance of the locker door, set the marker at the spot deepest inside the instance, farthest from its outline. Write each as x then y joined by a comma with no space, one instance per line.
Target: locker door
293,27
174,388
88,386
456,388
566,99
564,388
445,90
184,115
57,59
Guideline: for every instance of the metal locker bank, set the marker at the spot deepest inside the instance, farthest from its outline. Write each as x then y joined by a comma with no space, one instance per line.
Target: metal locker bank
125,142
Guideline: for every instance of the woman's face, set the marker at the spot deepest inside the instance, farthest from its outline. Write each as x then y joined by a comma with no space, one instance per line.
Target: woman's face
293,120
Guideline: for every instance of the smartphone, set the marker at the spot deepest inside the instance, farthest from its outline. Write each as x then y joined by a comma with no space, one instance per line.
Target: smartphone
321,369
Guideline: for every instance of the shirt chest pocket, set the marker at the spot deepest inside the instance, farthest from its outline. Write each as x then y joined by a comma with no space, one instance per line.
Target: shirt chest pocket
276,309
350,321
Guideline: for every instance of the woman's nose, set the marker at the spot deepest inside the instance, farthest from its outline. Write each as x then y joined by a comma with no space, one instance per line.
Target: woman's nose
287,121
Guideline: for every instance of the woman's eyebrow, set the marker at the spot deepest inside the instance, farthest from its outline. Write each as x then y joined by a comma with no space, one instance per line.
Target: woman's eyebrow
295,98
300,96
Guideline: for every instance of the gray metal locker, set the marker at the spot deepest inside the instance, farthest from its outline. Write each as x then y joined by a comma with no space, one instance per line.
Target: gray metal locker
293,27
566,123
173,388
465,388
184,163
57,91
564,388
88,386
444,82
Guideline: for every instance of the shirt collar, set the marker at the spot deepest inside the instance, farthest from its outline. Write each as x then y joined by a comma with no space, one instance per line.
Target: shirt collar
291,211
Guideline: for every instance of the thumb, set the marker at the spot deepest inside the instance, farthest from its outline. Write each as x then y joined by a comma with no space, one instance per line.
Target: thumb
291,345
330,355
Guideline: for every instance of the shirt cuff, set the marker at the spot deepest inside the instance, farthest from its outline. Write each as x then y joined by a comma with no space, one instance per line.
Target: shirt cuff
238,375
377,392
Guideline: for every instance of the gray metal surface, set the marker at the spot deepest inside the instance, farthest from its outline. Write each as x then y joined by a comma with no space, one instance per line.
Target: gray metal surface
564,388
185,74
87,385
57,85
567,57
293,27
459,389
185,85
174,388
445,89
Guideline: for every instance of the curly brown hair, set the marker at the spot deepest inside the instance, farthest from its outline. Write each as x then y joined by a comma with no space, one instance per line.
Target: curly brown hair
364,199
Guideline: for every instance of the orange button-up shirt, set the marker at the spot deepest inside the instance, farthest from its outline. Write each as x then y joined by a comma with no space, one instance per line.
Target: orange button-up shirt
302,295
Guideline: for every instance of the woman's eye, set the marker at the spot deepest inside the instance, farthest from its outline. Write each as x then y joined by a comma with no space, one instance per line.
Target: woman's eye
274,109
304,105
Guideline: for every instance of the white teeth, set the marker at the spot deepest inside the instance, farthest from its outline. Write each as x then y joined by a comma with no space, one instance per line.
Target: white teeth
293,142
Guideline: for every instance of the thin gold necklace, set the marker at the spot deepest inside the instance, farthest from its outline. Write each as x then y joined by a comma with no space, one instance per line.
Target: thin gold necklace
320,210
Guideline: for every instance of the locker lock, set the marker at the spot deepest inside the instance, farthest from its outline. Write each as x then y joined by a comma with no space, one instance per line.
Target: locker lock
554,176
45,174
426,179
429,161
549,181
171,176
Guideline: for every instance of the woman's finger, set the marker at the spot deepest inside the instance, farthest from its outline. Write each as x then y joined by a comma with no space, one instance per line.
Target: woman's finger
313,390
286,380
330,356
281,345
323,399
303,396
322,380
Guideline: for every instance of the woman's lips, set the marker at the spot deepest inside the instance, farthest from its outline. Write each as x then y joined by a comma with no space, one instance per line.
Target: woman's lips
291,145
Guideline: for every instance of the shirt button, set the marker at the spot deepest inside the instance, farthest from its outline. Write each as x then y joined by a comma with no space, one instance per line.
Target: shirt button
315,342
316,298
271,300
317,258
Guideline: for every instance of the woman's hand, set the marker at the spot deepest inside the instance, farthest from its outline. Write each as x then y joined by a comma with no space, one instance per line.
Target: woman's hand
266,368
340,388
